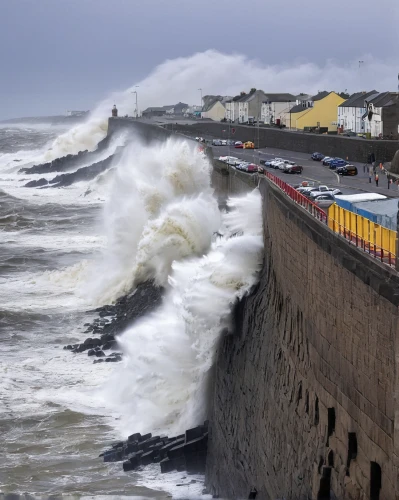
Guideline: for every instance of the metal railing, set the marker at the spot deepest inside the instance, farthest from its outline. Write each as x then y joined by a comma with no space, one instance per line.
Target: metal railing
299,198
373,239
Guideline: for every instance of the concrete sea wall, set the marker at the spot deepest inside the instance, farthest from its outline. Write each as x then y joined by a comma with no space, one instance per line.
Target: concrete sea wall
305,392
355,149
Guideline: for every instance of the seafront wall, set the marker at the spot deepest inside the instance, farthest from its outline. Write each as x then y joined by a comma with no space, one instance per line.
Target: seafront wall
305,391
355,149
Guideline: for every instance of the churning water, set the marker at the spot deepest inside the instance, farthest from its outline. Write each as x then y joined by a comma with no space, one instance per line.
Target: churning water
66,251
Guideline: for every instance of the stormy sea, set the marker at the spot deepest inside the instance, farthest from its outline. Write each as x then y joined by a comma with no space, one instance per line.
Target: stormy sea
86,222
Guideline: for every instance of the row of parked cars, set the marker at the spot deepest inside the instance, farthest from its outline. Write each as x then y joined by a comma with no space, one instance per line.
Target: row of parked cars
322,195
341,166
289,167
235,144
244,166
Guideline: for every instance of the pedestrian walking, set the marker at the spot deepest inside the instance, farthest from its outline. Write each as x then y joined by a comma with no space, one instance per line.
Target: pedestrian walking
369,177
376,180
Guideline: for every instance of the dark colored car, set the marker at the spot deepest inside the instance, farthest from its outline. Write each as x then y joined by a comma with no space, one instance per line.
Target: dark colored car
327,159
293,169
317,156
347,170
338,162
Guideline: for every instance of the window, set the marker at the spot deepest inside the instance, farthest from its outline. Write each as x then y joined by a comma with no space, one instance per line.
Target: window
375,481
352,450
331,423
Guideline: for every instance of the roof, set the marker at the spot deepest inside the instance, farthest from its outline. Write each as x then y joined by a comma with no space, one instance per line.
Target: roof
320,95
298,108
356,100
383,99
279,98
303,97
210,101
154,108
387,207
356,198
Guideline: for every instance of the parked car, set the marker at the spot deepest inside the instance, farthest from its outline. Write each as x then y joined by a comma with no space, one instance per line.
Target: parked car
327,159
293,169
249,145
230,160
334,192
230,142
216,142
324,200
251,168
337,162
224,142
242,165
238,144
275,163
317,156
347,170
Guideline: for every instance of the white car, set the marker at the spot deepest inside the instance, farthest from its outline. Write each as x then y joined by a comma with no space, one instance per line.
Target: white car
281,165
224,142
230,160
275,162
334,192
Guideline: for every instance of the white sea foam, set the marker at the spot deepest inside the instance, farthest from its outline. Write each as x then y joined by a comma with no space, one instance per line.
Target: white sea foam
161,208
162,383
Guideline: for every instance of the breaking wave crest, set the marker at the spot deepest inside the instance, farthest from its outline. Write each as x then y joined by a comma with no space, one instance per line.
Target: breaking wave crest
161,208
162,385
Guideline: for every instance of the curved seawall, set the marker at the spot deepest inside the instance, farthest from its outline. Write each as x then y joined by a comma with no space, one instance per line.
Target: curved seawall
304,395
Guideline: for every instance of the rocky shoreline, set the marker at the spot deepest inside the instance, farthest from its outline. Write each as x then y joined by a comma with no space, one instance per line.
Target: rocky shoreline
114,319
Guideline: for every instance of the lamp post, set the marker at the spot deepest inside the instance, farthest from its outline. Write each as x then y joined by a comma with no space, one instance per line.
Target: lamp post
137,109
201,102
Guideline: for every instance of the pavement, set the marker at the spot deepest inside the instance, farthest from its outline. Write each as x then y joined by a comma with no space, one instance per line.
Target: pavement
313,171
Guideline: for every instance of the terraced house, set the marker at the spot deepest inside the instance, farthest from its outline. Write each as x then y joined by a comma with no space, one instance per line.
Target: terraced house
318,111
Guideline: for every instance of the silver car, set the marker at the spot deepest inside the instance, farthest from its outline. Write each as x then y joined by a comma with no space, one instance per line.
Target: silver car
323,200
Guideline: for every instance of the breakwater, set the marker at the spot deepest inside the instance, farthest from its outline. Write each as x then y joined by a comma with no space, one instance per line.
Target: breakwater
355,149
304,391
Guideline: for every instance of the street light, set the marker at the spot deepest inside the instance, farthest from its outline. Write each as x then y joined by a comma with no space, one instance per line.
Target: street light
201,102
137,109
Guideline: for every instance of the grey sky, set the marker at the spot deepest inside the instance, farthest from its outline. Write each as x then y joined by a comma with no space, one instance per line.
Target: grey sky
68,54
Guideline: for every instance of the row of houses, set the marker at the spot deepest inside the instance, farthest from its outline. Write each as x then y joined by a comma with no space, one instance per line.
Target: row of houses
373,113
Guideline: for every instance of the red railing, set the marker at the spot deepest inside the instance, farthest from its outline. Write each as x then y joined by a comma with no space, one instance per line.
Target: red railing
299,198
374,250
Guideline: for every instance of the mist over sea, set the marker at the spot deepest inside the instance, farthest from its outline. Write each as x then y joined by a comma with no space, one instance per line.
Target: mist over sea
65,251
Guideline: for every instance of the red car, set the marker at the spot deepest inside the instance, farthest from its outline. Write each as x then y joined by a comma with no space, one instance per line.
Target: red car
293,169
251,168
238,144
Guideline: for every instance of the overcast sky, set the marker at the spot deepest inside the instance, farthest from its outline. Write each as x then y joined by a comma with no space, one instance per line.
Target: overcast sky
69,54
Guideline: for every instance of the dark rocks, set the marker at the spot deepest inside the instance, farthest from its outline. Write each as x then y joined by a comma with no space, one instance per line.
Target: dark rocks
175,453
39,183
111,344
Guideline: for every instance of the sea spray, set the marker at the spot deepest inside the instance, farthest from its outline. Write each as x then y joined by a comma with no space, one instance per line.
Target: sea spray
168,355
160,208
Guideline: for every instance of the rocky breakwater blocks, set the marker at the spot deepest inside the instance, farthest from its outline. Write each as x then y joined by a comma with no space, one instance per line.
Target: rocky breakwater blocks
114,319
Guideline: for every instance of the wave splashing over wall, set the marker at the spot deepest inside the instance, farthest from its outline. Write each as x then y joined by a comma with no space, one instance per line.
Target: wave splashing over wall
161,208
162,385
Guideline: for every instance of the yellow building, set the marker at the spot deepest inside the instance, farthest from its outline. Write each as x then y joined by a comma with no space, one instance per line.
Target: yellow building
320,110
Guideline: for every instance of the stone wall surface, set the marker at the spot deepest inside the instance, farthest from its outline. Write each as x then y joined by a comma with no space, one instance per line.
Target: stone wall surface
317,338
355,149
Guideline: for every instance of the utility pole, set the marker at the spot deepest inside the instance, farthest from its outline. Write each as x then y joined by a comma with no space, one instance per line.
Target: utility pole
201,102
137,109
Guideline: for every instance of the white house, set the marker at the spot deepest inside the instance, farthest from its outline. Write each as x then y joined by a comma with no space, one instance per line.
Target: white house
381,118
351,112
276,109
233,107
